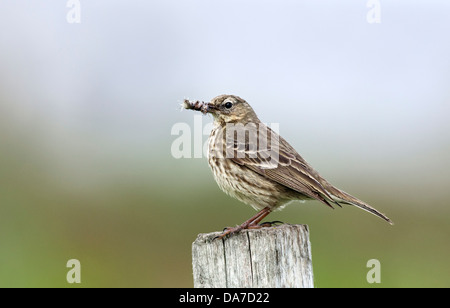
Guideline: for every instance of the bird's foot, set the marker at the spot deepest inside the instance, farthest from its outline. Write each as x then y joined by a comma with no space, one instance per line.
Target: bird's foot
230,231
252,223
271,223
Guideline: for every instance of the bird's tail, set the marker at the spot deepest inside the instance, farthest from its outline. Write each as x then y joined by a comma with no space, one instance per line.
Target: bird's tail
340,196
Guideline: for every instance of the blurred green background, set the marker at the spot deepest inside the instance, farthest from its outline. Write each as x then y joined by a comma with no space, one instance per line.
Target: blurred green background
86,112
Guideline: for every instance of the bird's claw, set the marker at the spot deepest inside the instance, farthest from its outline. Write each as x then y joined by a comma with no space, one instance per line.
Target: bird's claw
269,224
228,231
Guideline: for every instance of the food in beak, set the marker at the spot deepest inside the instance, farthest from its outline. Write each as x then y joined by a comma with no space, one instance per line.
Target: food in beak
197,105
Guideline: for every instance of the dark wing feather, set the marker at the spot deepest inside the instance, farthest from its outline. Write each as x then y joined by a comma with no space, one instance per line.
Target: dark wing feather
275,159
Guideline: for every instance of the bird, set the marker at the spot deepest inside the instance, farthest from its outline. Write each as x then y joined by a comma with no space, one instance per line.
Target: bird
254,164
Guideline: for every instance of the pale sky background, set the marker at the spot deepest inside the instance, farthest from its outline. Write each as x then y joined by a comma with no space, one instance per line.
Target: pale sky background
346,93
86,112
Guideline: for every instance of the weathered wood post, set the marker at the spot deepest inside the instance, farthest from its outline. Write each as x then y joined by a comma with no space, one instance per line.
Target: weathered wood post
274,257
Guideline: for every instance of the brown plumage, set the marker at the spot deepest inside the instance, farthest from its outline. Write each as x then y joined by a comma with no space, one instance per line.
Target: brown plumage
255,165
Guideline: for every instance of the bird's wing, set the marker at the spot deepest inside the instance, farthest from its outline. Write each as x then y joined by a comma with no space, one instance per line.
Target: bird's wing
271,156
277,160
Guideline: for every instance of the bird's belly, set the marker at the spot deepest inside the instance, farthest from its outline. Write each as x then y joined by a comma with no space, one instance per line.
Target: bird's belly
247,185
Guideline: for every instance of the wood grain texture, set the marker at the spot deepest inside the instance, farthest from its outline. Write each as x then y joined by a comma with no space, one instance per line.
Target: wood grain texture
276,257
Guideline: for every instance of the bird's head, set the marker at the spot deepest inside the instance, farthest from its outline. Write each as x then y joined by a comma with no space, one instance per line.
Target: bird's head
231,109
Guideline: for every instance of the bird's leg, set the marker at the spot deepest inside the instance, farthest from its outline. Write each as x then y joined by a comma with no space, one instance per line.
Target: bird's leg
252,223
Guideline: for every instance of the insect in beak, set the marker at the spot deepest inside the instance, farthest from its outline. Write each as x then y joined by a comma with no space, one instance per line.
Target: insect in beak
197,105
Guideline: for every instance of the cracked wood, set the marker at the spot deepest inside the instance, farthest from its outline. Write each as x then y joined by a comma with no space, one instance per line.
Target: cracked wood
274,257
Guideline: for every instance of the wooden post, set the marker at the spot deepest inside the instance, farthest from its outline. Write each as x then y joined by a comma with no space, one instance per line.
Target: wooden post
275,257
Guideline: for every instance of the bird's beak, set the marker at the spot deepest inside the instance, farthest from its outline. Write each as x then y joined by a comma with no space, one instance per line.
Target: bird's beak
209,108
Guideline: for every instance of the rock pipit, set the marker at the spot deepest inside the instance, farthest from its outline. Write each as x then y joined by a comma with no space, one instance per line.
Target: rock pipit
255,165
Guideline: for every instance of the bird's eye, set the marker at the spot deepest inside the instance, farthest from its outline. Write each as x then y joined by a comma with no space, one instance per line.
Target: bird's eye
228,105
